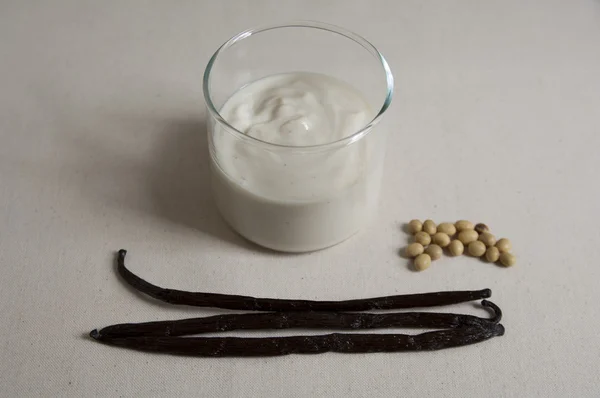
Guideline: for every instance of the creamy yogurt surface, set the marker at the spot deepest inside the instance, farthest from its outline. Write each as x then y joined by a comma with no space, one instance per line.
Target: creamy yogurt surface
298,109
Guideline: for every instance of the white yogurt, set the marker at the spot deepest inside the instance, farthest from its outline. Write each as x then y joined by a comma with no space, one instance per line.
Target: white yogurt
285,197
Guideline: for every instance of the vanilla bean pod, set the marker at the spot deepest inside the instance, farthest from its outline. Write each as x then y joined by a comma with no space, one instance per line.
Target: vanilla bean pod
336,342
235,302
299,320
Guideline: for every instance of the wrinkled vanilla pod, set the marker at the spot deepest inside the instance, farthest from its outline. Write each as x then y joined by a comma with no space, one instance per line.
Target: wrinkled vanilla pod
275,346
299,320
235,302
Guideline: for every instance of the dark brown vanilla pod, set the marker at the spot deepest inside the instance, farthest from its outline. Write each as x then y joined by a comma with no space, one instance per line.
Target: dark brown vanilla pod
299,320
247,303
275,346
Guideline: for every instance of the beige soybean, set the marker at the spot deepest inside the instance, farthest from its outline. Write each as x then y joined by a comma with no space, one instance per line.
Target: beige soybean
488,239
467,236
508,259
415,226
463,225
476,248
423,238
414,249
492,254
456,248
429,227
434,251
481,228
441,239
447,228
504,245
422,262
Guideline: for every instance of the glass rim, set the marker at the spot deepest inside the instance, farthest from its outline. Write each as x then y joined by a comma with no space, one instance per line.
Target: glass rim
311,25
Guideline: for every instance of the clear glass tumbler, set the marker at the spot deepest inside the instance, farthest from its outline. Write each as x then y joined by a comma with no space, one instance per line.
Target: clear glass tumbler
319,195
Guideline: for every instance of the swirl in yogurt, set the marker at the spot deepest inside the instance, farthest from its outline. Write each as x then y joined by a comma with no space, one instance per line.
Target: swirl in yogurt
298,109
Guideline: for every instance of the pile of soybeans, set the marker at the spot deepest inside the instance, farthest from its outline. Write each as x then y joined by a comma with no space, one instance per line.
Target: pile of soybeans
463,236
